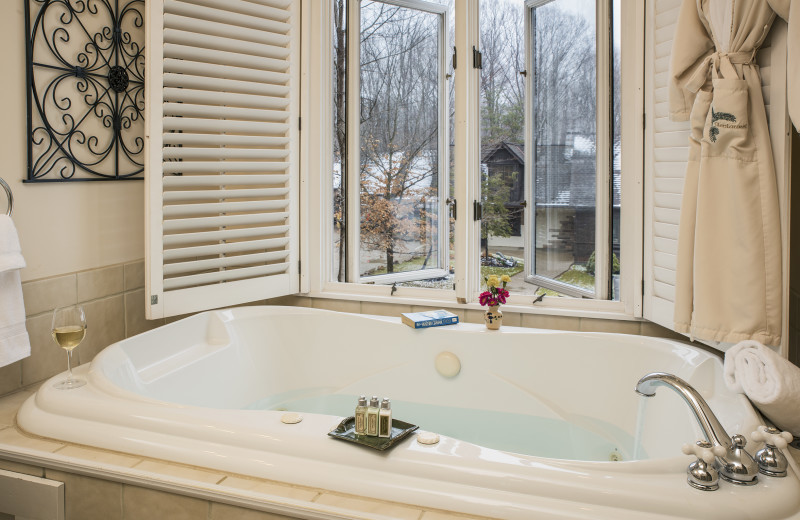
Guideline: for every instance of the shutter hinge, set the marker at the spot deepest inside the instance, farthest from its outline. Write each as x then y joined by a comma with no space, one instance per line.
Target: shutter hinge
644,121
455,58
477,210
642,287
477,58
153,299
299,123
299,271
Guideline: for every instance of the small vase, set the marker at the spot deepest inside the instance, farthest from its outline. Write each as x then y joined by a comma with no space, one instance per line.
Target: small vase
493,317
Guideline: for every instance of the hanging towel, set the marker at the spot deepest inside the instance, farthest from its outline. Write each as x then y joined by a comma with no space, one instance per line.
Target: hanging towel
14,342
771,382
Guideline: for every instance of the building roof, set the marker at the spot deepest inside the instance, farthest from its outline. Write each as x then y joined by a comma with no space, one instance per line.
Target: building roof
565,173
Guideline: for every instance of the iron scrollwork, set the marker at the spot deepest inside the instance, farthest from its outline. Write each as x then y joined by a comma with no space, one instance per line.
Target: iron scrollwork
85,74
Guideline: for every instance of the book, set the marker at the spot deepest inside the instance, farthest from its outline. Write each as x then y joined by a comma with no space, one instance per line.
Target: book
421,320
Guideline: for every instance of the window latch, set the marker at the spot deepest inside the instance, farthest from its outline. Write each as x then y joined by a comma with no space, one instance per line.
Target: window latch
453,207
455,58
477,210
477,58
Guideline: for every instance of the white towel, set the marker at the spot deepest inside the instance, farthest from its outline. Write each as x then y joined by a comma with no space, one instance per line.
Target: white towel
771,382
14,342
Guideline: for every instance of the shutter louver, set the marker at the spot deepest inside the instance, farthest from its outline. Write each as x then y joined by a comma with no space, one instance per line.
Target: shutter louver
667,151
221,153
666,156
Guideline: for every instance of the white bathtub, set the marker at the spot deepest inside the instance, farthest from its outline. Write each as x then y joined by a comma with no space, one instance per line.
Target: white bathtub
190,391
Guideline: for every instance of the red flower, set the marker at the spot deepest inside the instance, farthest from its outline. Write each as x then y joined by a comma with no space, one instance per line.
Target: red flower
502,294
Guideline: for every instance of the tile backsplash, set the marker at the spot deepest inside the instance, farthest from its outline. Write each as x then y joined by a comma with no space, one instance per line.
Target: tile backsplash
113,298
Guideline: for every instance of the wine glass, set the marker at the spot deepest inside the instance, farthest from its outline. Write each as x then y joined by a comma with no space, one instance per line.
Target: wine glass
69,328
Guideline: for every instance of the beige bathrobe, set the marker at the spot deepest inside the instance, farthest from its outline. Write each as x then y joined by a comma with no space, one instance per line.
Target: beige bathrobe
728,284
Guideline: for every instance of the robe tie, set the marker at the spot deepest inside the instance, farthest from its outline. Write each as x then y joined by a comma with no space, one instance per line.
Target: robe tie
722,62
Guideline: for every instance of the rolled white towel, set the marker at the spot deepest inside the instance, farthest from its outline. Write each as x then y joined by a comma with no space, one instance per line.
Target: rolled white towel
771,382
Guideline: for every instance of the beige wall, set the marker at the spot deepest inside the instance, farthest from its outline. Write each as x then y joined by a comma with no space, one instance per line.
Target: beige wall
63,227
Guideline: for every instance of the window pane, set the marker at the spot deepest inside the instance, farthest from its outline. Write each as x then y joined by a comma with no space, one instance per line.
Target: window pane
403,159
503,170
339,81
565,141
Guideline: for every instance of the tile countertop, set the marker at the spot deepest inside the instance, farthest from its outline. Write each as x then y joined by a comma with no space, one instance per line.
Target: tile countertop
19,450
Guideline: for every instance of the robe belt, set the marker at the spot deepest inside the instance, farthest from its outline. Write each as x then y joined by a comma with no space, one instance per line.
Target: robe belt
719,63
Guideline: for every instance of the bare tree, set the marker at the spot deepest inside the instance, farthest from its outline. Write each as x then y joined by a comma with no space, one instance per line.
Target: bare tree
399,127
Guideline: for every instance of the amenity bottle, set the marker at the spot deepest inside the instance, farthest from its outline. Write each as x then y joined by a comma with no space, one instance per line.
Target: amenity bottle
372,416
385,419
361,416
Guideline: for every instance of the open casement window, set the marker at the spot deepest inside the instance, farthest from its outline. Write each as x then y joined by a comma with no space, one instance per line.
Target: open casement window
221,146
395,174
550,147
666,155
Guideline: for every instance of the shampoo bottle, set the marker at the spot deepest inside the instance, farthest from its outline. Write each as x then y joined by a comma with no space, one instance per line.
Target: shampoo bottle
361,416
385,419
372,416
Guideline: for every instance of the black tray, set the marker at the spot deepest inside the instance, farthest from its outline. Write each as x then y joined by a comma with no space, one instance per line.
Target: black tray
346,432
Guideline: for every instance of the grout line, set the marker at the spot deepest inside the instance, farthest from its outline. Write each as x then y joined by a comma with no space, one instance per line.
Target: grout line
84,302
125,316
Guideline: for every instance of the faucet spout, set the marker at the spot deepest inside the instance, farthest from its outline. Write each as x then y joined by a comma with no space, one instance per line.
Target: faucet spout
713,430
736,466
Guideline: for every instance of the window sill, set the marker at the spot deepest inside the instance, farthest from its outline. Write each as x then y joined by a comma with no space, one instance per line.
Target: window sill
606,310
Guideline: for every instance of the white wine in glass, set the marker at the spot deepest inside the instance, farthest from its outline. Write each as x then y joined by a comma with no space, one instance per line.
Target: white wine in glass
69,329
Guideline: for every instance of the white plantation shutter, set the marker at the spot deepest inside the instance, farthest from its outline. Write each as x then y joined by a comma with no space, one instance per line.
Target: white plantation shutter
666,152
666,147
221,145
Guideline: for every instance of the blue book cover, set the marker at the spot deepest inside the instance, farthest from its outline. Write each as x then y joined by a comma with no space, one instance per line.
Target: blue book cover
421,320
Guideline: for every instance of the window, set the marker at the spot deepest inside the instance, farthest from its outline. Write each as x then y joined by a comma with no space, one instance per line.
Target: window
391,147
549,140
531,189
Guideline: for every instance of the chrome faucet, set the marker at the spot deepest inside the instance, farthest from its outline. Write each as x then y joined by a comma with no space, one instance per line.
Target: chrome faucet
736,466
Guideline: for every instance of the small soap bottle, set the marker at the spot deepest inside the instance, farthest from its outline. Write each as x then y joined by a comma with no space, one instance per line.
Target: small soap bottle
372,416
361,416
385,419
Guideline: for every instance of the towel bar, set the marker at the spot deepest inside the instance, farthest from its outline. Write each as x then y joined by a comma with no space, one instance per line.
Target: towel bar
10,196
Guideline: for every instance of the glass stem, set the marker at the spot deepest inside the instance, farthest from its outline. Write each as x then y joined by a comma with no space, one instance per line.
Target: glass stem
69,366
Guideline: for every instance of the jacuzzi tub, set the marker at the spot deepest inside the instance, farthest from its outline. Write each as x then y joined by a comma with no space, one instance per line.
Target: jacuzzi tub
528,427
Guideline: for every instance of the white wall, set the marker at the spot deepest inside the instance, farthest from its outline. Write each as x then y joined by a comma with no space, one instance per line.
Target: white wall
63,227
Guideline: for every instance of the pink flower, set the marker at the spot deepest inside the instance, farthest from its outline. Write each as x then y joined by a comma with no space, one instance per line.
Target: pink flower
485,297
502,294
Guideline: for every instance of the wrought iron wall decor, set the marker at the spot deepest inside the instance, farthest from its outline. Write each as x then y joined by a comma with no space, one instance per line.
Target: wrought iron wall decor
85,74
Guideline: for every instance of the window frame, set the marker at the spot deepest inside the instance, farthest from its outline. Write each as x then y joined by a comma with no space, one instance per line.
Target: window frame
318,201
353,161
603,158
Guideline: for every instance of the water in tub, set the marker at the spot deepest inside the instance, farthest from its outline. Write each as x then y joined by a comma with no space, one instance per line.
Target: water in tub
512,432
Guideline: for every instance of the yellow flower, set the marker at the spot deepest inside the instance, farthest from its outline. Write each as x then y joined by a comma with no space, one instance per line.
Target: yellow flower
505,278
492,281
